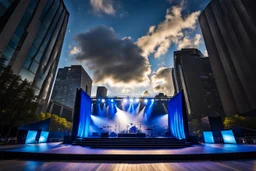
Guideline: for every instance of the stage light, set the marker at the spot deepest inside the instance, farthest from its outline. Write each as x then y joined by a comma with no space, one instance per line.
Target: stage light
124,100
131,100
137,100
103,100
152,100
112,100
146,100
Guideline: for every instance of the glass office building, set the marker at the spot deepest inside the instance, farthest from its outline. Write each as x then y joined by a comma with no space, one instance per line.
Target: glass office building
32,33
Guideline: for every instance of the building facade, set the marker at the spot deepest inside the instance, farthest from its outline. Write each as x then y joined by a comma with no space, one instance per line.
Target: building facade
32,33
60,110
67,81
101,92
229,31
193,75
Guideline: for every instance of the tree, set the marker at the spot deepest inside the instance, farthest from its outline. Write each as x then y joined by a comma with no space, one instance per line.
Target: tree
239,121
17,99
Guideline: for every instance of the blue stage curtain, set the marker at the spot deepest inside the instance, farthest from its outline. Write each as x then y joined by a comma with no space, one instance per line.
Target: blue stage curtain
175,116
84,114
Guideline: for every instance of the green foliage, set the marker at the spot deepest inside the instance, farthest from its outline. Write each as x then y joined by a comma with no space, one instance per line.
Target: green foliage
58,124
17,100
239,121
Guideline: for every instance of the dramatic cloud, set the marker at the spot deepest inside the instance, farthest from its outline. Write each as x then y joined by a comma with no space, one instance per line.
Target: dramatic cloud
126,90
116,62
190,43
162,81
159,38
74,51
103,6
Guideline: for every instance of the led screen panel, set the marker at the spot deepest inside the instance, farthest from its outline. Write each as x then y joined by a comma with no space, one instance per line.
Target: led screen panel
208,137
31,137
43,137
228,137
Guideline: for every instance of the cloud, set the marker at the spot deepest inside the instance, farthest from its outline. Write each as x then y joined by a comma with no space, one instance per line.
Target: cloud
190,43
145,93
74,51
103,6
126,90
162,81
159,38
116,62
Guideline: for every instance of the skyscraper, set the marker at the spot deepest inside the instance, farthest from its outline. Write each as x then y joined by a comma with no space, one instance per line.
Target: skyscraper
193,75
32,33
101,91
229,30
66,84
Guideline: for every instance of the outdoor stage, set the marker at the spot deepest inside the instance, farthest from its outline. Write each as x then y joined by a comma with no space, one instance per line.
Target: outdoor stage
60,152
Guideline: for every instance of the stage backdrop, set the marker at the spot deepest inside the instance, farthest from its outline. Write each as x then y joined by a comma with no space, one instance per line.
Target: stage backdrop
82,112
177,119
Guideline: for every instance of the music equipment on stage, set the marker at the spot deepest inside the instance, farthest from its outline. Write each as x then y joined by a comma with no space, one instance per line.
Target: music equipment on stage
133,130
95,134
104,135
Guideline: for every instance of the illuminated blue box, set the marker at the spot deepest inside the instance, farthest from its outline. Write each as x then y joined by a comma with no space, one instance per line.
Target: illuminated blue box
31,137
208,137
43,137
228,137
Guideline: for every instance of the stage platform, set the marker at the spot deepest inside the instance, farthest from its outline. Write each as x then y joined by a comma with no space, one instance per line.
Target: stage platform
132,142
63,152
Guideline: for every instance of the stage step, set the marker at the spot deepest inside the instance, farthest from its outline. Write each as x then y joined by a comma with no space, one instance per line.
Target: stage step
131,142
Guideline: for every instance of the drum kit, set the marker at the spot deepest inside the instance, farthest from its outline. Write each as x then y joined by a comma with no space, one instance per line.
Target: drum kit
132,128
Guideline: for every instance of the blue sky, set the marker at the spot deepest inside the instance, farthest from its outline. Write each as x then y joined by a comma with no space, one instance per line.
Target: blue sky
132,19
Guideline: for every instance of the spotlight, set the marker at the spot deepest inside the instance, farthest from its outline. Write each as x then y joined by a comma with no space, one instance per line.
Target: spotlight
124,100
137,100
146,100
112,100
131,100
103,100
152,100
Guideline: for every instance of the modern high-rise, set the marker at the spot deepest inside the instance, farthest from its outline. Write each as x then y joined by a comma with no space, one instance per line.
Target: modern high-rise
193,75
68,80
31,37
101,91
229,31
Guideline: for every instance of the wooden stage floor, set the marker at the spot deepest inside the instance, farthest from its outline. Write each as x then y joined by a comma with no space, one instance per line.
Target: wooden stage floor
19,165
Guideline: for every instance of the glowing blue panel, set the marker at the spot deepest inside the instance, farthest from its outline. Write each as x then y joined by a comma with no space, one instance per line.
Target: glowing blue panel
31,137
228,137
43,137
175,117
84,116
208,137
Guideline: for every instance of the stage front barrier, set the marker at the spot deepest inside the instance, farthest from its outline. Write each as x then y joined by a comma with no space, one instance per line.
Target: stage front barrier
177,117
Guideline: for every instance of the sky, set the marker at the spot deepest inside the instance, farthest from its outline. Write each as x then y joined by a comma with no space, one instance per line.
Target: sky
128,45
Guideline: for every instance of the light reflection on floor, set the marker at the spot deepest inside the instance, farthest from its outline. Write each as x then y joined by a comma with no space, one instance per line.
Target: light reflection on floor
69,149
13,165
